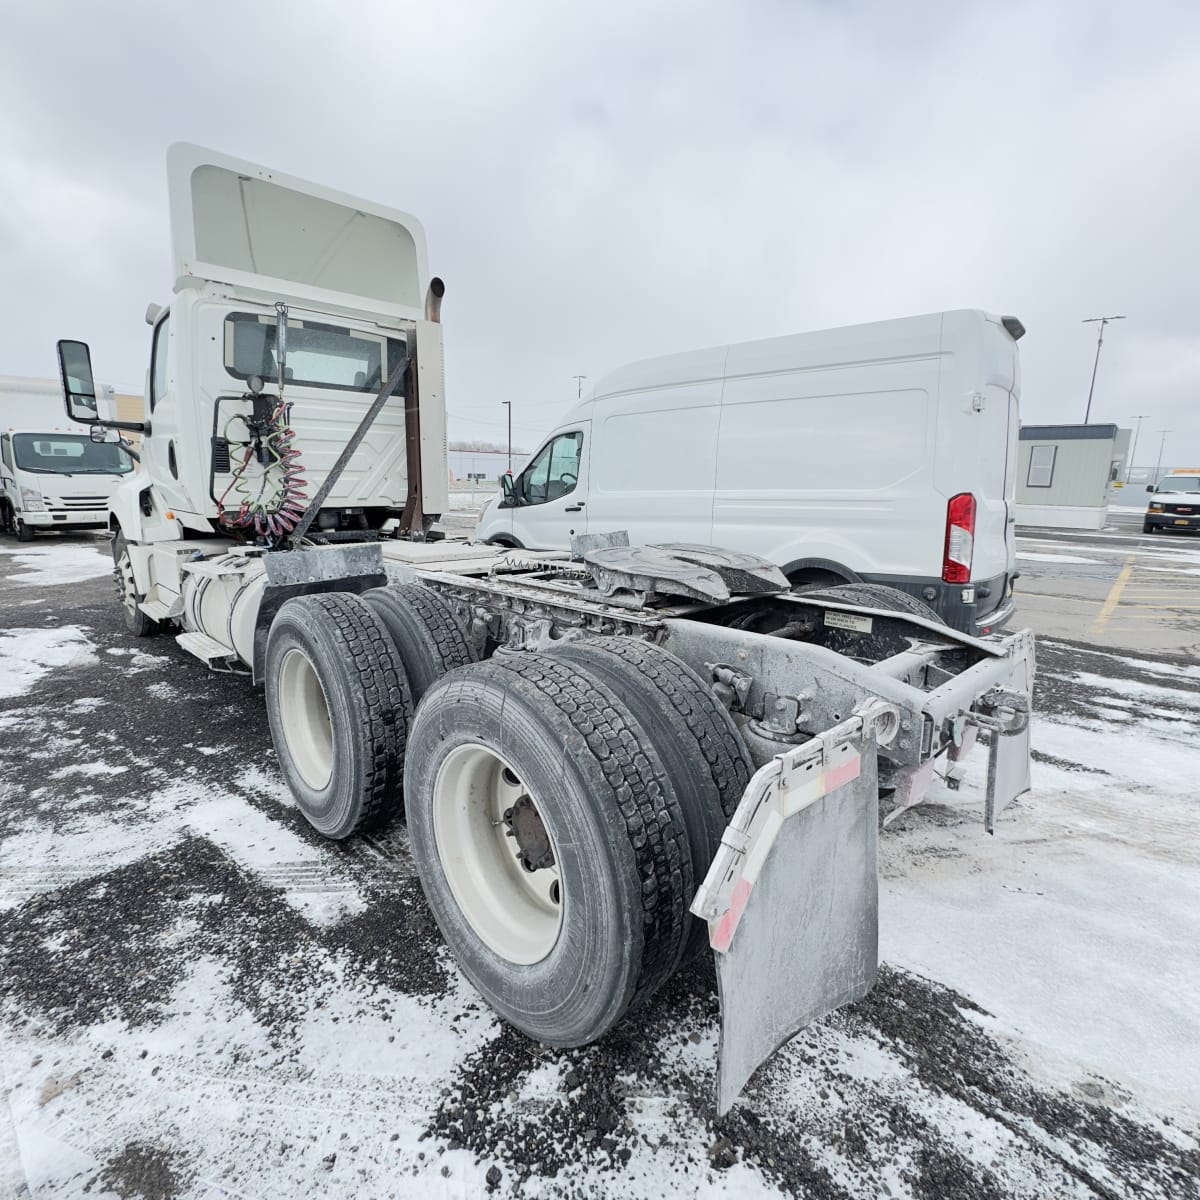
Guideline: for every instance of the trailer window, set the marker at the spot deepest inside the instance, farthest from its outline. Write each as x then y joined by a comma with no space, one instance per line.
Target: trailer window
318,355
554,472
68,454
1041,466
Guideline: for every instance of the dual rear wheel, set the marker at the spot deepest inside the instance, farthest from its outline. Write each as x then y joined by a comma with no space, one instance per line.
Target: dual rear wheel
561,807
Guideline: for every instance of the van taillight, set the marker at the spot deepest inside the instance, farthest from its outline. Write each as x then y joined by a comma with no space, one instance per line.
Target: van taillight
960,538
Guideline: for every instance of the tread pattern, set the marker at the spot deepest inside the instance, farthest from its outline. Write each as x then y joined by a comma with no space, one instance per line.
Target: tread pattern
717,738
694,734
653,821
444,645
375,675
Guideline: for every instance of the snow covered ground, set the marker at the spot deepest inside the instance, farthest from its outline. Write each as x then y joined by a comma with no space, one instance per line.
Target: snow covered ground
200,998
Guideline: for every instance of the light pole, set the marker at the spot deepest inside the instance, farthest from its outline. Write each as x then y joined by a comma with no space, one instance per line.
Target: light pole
1158,465
1139,418
508,404
1099,342
579,385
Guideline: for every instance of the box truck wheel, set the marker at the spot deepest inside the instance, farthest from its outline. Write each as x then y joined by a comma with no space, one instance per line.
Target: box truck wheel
136,621
549,842
24,532
693,733
426,635
339,709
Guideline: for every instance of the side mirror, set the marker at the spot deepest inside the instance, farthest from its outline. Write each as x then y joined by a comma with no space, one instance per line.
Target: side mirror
1149,487
98,433
79,388
506,486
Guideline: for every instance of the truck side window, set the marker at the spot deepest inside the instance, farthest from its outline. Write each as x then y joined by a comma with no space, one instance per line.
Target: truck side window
158,363
554,472
6,452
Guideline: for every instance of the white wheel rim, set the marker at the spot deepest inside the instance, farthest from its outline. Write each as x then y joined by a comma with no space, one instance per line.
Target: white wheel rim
304,714
515,912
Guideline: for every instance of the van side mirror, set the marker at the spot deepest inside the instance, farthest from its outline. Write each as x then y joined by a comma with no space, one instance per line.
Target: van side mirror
507,487
1149,487
79,388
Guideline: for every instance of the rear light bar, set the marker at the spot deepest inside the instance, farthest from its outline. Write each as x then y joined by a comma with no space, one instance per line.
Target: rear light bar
960,539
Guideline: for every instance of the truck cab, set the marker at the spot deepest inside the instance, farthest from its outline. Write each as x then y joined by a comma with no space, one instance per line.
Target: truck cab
53,476
1174,502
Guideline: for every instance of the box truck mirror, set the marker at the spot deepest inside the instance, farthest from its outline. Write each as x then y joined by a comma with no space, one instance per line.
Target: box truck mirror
79,388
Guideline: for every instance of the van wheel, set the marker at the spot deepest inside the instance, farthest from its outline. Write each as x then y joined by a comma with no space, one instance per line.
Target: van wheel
339,710
1147,527
876,595
136,621
549,842
693,733
426,634
24,532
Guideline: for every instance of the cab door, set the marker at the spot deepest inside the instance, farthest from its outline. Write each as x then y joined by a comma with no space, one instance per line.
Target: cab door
550,495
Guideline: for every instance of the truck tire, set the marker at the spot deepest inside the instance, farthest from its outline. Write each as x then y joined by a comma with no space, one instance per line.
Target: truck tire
1148,528
24,532
526,757
136,621
875,595
428,639
693,733
339,709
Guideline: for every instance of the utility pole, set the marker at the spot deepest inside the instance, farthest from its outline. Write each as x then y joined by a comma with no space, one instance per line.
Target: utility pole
579,385
1139,418
1158,465
508,404
1099,342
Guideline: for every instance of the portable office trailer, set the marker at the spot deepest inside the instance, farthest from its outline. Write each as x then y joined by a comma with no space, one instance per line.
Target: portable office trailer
1067,474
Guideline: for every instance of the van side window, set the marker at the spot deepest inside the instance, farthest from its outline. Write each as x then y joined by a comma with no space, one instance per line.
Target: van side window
1041,466
158,363
554,472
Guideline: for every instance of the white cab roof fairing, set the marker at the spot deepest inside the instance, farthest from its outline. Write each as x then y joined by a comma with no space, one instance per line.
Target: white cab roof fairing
234,222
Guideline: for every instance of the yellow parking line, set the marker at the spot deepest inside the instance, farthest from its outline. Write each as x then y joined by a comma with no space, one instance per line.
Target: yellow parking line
1113,598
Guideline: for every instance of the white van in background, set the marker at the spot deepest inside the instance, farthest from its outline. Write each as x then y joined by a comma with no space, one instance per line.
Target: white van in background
52,475
883,452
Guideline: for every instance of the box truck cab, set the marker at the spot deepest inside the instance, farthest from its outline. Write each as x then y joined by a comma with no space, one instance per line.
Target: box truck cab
882,452
1174,502
53,476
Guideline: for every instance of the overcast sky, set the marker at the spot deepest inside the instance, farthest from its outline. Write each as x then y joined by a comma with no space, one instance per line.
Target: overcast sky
604,182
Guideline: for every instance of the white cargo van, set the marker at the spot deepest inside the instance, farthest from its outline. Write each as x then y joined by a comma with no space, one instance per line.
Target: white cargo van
882,452
52,475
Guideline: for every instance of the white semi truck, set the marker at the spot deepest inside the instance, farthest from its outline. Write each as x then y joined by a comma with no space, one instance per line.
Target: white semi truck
608,759
53,476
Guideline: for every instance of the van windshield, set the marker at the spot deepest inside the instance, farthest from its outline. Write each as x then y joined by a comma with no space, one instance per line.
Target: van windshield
69,454
1180,483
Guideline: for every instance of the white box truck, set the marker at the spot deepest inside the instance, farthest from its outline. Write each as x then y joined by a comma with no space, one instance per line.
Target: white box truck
883,453
607,763
53,476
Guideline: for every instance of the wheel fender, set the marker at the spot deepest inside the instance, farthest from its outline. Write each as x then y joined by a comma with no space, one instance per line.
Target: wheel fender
821,564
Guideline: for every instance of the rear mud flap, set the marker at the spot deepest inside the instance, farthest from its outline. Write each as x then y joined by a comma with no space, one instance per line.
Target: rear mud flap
1008,773
792,901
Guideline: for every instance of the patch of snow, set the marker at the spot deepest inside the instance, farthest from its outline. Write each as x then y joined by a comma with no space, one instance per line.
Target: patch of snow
28,654
279,857
92,768
59,562
1057,925
1058,558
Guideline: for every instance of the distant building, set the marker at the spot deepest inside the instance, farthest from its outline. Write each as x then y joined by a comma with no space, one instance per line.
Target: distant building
1067,475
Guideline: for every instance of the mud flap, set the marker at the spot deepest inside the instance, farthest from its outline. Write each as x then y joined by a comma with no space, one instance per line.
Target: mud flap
792,901
1008,773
